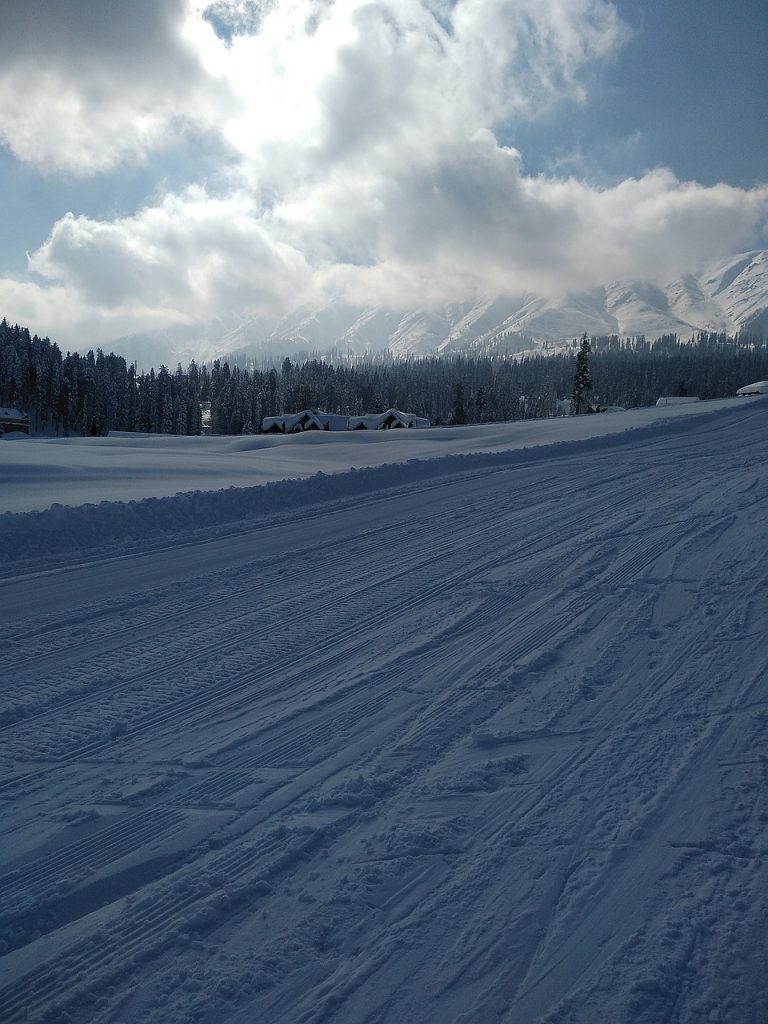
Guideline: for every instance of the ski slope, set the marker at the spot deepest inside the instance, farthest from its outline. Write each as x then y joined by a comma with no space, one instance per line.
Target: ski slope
471,739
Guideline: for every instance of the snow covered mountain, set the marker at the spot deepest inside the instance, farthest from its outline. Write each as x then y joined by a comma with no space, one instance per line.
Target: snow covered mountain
729,294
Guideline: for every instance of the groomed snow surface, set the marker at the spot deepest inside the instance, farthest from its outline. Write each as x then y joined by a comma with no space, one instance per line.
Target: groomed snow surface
478,738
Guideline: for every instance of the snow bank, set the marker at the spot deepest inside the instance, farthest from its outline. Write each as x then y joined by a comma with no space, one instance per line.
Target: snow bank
59,529
759,388
129,467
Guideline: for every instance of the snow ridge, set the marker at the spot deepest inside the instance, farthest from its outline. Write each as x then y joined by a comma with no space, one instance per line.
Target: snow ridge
60,528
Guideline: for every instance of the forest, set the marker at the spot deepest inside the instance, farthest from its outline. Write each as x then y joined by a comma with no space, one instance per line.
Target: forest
94,393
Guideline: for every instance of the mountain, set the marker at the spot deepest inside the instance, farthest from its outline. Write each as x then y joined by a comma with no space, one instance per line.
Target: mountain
729,295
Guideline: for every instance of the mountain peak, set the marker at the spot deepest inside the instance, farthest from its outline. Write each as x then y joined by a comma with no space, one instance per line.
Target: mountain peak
728,294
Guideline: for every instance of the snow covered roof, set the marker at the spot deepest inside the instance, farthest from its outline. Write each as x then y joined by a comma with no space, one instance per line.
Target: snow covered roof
759,388
304,420
312,419
385,420
13,421
307,419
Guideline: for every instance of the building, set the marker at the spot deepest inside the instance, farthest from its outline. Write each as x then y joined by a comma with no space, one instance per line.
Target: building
312,419
12,420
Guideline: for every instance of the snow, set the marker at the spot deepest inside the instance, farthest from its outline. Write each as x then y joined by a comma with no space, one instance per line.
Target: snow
316,419
759,388
727,294
469,726
126,467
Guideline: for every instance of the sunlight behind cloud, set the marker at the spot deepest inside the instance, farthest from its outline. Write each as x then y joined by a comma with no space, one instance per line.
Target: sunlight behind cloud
277,73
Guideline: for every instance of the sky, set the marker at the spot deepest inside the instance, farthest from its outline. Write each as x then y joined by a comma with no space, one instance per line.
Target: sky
169,162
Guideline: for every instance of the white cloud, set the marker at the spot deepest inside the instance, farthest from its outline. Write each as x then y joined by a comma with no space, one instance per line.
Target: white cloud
473,224
477,224
388,82
87,86
191,255
369,163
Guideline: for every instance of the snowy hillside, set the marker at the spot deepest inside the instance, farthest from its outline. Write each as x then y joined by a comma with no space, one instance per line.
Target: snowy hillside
724,295
474,739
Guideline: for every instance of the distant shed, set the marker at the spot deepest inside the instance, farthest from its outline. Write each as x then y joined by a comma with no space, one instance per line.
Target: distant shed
12,420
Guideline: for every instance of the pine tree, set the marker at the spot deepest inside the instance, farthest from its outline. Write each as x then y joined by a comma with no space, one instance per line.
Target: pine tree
480,403
459,413
582,378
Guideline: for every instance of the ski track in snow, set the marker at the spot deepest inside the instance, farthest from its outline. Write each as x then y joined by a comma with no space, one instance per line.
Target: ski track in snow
485,743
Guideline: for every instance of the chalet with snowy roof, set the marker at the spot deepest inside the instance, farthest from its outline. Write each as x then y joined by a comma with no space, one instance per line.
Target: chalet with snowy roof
307,419
12,420
312,419
389,420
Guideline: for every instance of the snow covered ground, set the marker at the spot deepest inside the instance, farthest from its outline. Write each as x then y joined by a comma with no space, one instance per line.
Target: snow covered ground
37,472
467,739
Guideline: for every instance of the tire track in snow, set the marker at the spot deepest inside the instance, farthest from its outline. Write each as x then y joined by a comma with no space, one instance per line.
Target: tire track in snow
306,571
21,891
183,702
294,581
630,866
137,931
295,749
534,639
372,584
286,749
353,706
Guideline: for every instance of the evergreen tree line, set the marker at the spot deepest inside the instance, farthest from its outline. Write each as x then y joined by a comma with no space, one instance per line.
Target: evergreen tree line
95,393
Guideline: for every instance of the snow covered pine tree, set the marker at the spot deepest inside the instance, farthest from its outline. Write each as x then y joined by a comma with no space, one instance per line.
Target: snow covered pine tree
582,378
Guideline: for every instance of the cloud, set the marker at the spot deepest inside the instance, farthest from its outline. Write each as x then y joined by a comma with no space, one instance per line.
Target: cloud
653,227
189,257
393,81
476,224
370,162
231,18
472,224
87,86
60,313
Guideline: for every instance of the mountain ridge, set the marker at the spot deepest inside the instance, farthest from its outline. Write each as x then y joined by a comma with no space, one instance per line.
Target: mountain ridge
728,295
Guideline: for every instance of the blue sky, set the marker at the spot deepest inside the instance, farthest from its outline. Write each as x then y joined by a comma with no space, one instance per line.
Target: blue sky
166,161
688,91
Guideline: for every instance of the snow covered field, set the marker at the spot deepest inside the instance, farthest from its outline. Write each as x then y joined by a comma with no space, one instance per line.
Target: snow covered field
465,739
36,472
